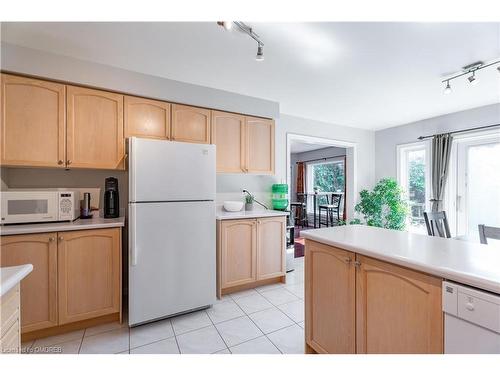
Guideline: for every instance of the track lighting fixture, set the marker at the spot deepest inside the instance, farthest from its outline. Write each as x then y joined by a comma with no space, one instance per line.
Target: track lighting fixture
228,25
447,89
470,70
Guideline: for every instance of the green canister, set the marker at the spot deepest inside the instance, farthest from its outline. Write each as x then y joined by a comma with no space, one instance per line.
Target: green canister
280,196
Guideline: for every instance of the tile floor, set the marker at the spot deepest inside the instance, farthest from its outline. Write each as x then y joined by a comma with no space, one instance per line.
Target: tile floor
265,320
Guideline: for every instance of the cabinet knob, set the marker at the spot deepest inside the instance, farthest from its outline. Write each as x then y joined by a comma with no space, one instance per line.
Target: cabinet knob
60,162
69,162
469,306
51,239
348,260
357,264
61,238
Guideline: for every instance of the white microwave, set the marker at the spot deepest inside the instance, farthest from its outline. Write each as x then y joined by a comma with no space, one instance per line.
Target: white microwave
36,206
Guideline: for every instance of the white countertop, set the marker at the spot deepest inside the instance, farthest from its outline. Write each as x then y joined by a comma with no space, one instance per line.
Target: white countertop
225,215
79,224
464,262
10,276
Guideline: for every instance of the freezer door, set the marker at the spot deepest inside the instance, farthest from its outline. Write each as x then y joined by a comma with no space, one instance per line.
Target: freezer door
170,171
171,259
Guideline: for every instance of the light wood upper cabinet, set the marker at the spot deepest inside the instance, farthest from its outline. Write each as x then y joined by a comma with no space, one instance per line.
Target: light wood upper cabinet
238,244
398,310
228,135
94,129
190,124
33,130
330,299
271,244
146,118
89,274
39,288
259,145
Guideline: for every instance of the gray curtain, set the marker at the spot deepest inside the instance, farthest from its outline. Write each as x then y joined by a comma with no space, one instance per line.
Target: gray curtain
441,151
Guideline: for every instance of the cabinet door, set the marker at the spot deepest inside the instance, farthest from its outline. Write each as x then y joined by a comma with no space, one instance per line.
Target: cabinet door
271,244
39,288
398,310
95,129
146,118
190,124
228,135
33,129
329,299
259,145
89,274
238,252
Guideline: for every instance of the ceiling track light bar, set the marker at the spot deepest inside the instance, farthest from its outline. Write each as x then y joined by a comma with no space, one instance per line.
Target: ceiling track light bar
249,31
472,68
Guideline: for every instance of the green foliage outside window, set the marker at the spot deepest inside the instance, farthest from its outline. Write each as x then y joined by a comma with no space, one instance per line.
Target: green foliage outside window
383,207
329,177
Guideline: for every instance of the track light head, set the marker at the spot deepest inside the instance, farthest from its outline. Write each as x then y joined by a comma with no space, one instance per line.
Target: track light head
260,53
447,89
498,68
227,25
472,79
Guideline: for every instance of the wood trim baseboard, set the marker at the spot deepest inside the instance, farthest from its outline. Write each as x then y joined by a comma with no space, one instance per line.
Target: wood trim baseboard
28,336
255,284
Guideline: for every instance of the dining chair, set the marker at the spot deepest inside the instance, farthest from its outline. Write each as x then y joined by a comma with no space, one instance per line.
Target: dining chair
299,209
332,207
437,224
486,232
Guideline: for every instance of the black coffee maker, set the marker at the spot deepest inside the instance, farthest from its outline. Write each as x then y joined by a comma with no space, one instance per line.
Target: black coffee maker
111,198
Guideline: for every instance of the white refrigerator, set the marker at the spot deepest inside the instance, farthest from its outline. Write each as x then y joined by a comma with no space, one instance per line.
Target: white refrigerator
171,228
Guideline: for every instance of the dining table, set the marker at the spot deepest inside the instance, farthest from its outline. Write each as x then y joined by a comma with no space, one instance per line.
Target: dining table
316,195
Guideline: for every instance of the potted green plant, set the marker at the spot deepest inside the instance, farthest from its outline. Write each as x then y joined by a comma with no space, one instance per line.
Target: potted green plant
249,202
384,206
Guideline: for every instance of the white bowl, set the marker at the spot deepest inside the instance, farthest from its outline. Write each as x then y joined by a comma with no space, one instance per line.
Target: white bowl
233,206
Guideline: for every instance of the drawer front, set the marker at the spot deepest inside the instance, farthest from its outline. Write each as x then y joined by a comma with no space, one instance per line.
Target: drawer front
9,310
10,342
479,311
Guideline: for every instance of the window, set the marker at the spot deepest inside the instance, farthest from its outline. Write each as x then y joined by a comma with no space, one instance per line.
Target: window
413,176
327,176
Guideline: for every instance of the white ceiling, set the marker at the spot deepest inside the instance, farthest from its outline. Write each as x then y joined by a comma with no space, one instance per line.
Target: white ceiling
366,75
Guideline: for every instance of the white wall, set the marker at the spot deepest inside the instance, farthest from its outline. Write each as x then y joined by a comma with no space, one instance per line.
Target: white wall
386,140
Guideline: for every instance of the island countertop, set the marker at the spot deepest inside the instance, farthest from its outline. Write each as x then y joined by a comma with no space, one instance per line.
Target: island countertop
11,276
464,262
79,224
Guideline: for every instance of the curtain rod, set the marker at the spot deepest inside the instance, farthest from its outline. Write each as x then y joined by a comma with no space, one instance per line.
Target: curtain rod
422,137
330,157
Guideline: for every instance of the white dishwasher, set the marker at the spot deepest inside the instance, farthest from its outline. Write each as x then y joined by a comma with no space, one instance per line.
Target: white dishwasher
471,320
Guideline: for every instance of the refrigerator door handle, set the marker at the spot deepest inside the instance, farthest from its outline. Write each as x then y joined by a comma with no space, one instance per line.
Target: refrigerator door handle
133,229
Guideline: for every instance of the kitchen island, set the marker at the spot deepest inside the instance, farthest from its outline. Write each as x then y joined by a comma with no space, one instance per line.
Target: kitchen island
373,290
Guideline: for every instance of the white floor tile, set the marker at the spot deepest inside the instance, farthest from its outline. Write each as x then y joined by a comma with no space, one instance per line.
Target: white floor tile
223,299
110,342
271,320
67,347
265,288
52,340
297,289
150,332
167,346
253,303
279,296
190,322
294,310
243,293
224,311
289,340
105,328
294,277
260,345
238,330
202,341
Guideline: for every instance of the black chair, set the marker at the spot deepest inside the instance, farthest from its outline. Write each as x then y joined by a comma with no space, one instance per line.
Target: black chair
332,207
299,210
437,224
486,232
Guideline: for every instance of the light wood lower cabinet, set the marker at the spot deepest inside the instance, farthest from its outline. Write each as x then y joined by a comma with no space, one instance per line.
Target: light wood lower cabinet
10,330
146,118
330,299
88,274
39,288
398,310
356,304
33,128
76,276
249,251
